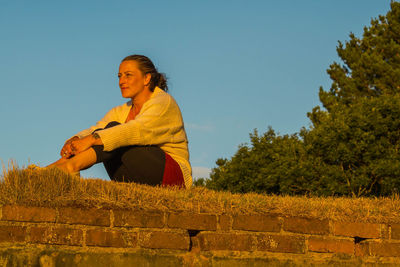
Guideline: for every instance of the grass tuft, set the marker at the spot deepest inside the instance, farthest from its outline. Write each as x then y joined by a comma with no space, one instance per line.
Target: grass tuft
54,188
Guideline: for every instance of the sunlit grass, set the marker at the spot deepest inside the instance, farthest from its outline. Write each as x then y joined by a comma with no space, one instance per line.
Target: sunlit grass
53,188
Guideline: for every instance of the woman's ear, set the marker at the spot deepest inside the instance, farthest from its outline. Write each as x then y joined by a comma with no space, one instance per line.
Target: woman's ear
147,79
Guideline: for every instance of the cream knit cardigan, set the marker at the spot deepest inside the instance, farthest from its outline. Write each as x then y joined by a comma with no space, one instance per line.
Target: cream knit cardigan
159,122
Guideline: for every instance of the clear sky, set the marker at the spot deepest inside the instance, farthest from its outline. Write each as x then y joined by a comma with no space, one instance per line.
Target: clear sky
233,66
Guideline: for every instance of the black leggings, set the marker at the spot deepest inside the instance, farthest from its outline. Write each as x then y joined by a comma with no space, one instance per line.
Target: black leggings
139,164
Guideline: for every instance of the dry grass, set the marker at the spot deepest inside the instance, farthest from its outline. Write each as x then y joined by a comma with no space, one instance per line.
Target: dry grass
53,188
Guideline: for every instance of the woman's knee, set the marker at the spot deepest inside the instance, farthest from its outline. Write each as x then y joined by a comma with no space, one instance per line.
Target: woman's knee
112,124
109,125
143,154
145,164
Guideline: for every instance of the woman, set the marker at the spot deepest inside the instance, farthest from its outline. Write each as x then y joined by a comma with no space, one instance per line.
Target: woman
143,140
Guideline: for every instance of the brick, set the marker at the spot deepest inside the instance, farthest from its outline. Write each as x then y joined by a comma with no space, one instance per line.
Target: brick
351,229
164,240
57,236
101,238
28,214
11,233
306,226
384,249
97,217
225,241
331,245
378,248
395,229
138,218
261,223
280,243
362,249
385,231
225,223
192,221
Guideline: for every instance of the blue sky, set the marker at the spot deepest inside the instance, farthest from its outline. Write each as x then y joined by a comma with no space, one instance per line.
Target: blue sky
233,66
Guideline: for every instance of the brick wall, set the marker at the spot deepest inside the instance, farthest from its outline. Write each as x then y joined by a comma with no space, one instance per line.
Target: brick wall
200,234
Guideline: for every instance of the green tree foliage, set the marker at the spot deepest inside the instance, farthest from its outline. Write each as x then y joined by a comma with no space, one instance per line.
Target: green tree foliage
199,182
352,146
260,168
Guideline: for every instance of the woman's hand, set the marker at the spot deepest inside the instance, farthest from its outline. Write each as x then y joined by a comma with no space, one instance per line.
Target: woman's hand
78,146
67,151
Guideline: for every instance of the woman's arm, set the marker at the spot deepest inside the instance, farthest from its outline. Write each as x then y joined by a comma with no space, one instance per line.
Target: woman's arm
159,122
111,115
85,143
83,140
76,145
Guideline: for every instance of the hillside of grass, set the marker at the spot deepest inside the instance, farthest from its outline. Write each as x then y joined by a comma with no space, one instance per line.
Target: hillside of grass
53,188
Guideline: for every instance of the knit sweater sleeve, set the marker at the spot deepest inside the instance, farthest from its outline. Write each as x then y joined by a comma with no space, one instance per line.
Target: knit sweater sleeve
110,116
158,122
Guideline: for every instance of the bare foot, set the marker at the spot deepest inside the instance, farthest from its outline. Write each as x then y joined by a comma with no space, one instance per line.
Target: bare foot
64,167
34,167
58,162
61,164
76,163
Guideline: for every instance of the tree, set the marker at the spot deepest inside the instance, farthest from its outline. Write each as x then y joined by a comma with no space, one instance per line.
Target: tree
199,182
260,168
352,146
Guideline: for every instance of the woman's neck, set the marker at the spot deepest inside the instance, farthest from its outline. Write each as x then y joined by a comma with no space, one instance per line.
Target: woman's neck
139,100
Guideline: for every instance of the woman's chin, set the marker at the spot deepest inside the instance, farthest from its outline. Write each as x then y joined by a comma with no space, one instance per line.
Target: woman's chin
125,95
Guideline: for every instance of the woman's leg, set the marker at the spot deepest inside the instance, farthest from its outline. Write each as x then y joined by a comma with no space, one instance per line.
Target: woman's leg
58,162
139,164
78,162
81,161
145,165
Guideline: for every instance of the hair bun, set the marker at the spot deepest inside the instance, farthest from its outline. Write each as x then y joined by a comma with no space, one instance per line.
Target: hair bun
146,66
161,81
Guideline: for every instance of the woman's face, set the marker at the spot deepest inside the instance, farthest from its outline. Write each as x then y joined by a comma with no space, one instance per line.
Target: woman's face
131,80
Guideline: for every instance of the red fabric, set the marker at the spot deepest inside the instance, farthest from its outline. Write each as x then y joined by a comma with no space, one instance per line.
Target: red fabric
172,173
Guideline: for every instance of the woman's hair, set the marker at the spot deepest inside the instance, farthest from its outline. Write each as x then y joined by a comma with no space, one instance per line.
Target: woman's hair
146,66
